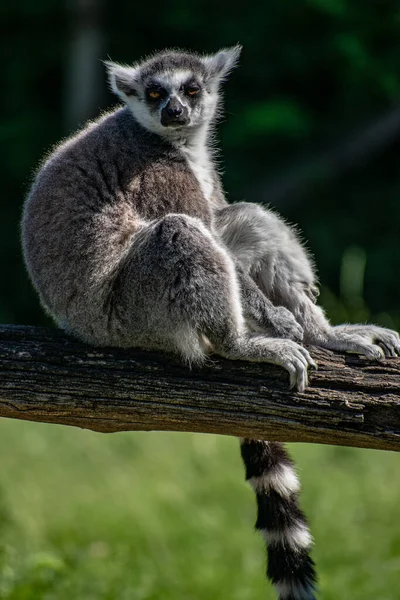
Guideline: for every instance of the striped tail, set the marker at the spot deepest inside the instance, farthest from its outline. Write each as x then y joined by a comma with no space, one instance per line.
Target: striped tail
271,472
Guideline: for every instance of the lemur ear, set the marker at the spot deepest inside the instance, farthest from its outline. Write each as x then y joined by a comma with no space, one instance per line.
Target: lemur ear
122,79
221,64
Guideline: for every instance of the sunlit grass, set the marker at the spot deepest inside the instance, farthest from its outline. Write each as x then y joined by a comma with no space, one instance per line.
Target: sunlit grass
151,516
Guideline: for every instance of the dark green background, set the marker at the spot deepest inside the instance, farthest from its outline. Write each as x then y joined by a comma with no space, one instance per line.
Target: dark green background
314,77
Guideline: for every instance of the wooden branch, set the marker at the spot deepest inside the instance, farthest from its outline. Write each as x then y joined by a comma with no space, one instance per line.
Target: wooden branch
49,377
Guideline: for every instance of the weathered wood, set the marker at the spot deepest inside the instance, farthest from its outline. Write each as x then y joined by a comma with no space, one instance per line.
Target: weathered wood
49,377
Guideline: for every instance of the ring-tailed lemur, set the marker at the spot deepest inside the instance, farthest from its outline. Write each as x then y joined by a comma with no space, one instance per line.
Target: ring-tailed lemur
129,241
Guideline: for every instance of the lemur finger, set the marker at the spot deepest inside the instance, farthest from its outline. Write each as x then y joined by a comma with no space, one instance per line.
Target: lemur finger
292,375
396,346
298,375
388,350
306,358
297,367
310,361
373,351
394,349
390,341
302,376
300,359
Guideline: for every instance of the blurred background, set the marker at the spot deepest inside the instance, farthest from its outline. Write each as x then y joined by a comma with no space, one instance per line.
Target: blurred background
312,127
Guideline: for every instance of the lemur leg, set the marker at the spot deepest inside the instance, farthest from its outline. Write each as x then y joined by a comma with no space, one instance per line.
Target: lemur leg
191,291
261,315
237,228
271,252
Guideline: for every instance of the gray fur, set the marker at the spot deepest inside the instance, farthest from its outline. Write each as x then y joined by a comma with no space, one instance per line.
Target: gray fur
129,241
271,253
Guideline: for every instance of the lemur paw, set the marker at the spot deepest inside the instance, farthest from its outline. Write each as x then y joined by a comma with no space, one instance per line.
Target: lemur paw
284,324
312,292
295,359
374,342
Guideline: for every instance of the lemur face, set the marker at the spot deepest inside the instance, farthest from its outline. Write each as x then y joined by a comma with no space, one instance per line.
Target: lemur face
176,98
173,93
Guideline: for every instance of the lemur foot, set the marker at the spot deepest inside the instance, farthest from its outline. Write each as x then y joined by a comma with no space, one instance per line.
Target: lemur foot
373,342
378,341
294,358
285,353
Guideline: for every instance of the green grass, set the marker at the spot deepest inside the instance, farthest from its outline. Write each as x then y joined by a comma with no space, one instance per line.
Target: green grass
156,516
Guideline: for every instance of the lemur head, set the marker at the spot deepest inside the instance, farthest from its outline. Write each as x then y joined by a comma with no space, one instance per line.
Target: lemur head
173,93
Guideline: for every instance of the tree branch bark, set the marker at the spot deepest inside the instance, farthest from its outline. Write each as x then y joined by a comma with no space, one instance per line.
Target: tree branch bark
49,377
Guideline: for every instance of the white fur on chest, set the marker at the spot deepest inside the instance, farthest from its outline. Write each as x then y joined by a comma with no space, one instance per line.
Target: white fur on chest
201,166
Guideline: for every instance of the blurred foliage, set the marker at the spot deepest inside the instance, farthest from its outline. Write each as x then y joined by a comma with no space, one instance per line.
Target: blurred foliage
313,73
150,516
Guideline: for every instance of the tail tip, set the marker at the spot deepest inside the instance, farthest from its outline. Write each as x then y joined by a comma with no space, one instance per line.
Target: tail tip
291,590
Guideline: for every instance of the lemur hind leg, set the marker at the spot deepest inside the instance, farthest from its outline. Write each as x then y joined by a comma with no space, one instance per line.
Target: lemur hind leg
241,229
191,292
261,315
271,252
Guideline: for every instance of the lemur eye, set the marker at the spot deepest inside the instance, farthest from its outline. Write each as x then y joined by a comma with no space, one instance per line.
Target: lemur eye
154,94
192,90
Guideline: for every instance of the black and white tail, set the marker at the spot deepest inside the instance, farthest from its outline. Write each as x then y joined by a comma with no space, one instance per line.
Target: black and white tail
271,472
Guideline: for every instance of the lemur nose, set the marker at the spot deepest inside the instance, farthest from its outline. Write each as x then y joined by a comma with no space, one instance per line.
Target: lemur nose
174,111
